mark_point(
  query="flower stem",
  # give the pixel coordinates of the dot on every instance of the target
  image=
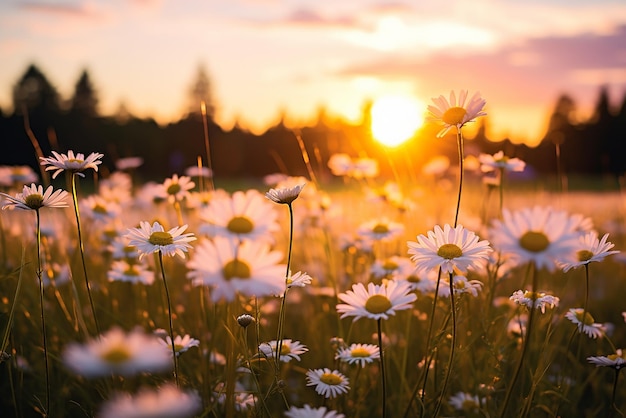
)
(452, 348)
(382, 366)
(82, 253)
(281, 313)
(43, 318)
(169, 317)
(613, 406)
(460, 148)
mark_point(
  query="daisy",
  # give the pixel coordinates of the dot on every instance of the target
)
(245, 320)
(166, 401)
(461, 285)
(456, 114)
(75, 164)
(308, 412)
(327, 383)
(363, 168)
(34, 198)
(181, 344)
(119, 353)
(423, 282)
(360, 354)
(393, 267)
(585, 324)
(289, 350)
(128, 163)
(540, 235)
(120, 249)
(376, 301)
(538, 300)
(195, 171)
(615, 361)
(244, 216)
(16, 175)
(284, 195)
(590, 249)
(122, 271)
(231, 268)
(462, 401)
(499, 161)
(177, 188)
(151, 239)
(381, 229)
(98, 209)
(298, 280)
(448, 248)
(340, 164)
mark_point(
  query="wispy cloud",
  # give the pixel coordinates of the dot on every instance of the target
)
(69, 10)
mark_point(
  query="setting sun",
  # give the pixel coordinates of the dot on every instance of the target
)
(395, 119)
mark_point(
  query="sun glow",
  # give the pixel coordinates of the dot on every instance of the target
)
(395, 119)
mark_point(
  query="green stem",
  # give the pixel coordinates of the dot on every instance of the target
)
(382, 366)
(43, 318)
(7, 332)
(613, 406)
(169, 317)
(461, 175)
(82, 254)
(281, 313)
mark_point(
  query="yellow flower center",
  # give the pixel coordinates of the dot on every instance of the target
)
(380, 229)
(116, 355)
(460, 284)
(34, 201)
(413, 279)
(100, 209)
(377, 304)
(534, 241)
(468, 405)
(449, 251)
(129, 249)
(131, 271)
(360, 352)
(174, 188)
(240, 225)
(614, 357)
(587, 320)
(236, 268)
(390, 265)
(331, 379)
(454, 115)
(285, 349)
(584, 255)
(532, 295)
(161, 238)
(178, 347)
(75, 160)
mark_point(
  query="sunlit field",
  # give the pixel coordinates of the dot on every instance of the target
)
(452, 291)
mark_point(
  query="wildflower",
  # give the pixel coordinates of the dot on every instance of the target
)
(195, 171)
(585, 324)
(231, 268)
(308, 412)
(243, 398)
(151, 239)
(99, 209)
(245, 320)
(461, 285)
(119, 353)
(244, 216)
(34, 198)
(540, 235)
(327, 383)
(14, 175)
(75, 164)
(590, 249)
(448, 248)
(360, 354)
(499, 161)
(181, 344)
(381, 229)
(456, 114)
(177, 188)
(289, 350)
(393, 267)
(166, 401)
(615, 361)
(462, 401)
(340, 164)
(120, 249)
(122, 271)
(436, 166)
(538, 300)
(377, 301)
(128, 163)
(298, 280)
(284, 195)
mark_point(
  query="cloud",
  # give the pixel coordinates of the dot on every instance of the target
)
(74, 10)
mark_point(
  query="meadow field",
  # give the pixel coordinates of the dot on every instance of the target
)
(454, 291)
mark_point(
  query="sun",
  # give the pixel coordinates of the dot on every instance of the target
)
(395, 119)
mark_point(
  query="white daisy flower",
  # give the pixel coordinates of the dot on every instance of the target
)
(340, 164)
(299, 279)
(118, 353)
(360, 354)
(128, 163)
(499, 161)
(307, 412)
(328, 383)
(177, 188)
(590, 249)
(586, 324)
(461, 285)
(451, 113)
(394, 267)
(75, 164)
(17, 175)
(151, 239)
(284, 196)
(615, 361)
(98, 209)
(244, 216)
(123, 271)
(289, 350)
(166, 401)
(538, 300)
(376, 301)
(195, 171)
(34, 198)
(448, 248)
(462, 401)
(181, 344)
(540, 235)
(230, 268)
(381, 229)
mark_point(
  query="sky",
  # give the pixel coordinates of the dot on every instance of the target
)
(268, 58)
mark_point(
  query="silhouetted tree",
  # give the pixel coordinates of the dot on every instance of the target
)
(201, 91)
(84, 101)
(34, 93)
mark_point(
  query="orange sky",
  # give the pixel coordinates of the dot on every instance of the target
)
(269, 56)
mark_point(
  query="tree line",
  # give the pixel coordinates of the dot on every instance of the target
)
(592, 147)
